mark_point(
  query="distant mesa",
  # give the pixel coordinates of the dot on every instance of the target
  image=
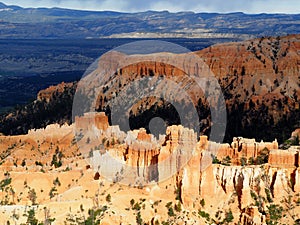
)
(73, 24)
(2, 5)
(5, 7)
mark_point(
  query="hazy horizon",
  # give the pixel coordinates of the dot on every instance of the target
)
(212, 6)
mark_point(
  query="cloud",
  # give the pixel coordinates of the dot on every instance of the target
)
(253, 6)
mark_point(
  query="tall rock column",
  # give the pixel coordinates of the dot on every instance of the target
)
(297, 181)
(141, 156)
(175, 153)
(191, 179)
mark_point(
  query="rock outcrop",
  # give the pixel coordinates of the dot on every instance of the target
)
(252, 216)
(296, 133)
(175, 152)
(52, 92)
(190, 164)
(284, 158)
(86, 122)
(191, 173)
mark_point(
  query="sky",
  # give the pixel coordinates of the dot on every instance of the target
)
(222, 6)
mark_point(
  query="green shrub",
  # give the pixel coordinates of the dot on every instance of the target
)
(108, 198)
(132, 202)
(139, 219)
(56, 182)
(136, 206)
(204, 215)
(243, 161)
(171, 211)
(178, 207)
(274, 213)
(228, 217)
(53, 192)
(215, 160)
(202, 202)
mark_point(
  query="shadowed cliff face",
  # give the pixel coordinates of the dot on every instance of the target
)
(259, 80)
(53, 105)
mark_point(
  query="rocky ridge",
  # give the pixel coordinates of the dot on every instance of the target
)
(214, 179)
(259, 80)
(242, 187)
